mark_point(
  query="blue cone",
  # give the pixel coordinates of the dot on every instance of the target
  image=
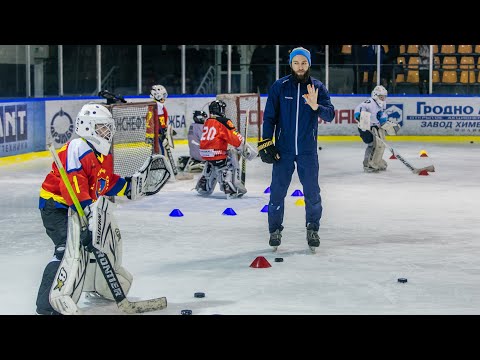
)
(229, 211)
(264, 209)
(267, 190)
(297, 193)
(176, 213)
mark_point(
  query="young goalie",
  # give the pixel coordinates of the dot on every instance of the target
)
(221, 162)
(88, 164)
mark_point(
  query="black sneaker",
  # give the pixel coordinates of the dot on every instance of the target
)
(312, 236)
(275, 238)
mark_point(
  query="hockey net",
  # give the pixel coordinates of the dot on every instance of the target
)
(136, 135)
(237, 106)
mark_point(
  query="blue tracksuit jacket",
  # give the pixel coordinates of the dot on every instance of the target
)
(295, 126)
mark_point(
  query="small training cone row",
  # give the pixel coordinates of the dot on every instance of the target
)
(260, 262)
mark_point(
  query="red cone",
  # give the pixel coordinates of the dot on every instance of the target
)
(393, 157)
(423, 172)
(260, 262)
(424, 155)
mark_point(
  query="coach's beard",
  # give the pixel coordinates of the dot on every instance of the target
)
(301, 78)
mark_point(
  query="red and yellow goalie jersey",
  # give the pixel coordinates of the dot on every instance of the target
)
(218, 133)
(162, 120)
(90, 174)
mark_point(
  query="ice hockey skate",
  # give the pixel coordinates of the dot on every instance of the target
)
(275, 239)
(312, 238)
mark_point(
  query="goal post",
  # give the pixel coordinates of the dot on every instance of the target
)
(136, 135)
(236, 110)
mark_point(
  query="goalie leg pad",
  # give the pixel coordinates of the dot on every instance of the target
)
(207, 182)
(70, 276)
(231, 183)
(96, 285)
(151, 177)
(368, 165)
(106, 238)
(377, 156)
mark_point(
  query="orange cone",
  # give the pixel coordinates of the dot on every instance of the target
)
(260, 262)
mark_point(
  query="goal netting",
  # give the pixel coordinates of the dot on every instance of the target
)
(135, 126)
(237, 106)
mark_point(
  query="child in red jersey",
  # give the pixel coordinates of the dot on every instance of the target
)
(221, 162)
(89, 166)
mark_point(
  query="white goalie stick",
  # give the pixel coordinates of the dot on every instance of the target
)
(129, 307)
(415, 170)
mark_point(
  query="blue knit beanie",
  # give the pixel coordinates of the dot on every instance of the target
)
(300, 51)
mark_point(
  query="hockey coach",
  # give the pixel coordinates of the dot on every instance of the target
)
(294, 104)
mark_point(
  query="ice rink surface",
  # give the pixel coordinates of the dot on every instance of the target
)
(375, 229)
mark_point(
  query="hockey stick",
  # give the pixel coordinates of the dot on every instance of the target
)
(130, 307)
(168, 150)
(415, 170)
(244, 161)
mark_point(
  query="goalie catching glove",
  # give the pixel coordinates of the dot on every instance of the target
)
(150, 178)
(267, 151)
(247, 151)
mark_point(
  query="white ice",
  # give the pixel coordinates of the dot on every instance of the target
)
(375, 229)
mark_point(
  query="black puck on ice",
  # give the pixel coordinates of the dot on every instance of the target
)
(402, 280)
(319, 148)
(471, 142)
(186, 312)
(199, 295)
(278, 259)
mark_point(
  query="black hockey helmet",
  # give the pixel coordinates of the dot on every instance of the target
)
(217, 107)
(199, 116)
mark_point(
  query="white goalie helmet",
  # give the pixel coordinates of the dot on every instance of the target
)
(96, 125)
(379, 94)
(158, 92)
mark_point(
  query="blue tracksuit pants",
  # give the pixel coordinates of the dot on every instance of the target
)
(307, 169)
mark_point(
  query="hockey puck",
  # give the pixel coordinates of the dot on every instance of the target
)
(319, 148)
(186, 312)
(471, 142)
(199, 295)
(402, 280)
(278, 259)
